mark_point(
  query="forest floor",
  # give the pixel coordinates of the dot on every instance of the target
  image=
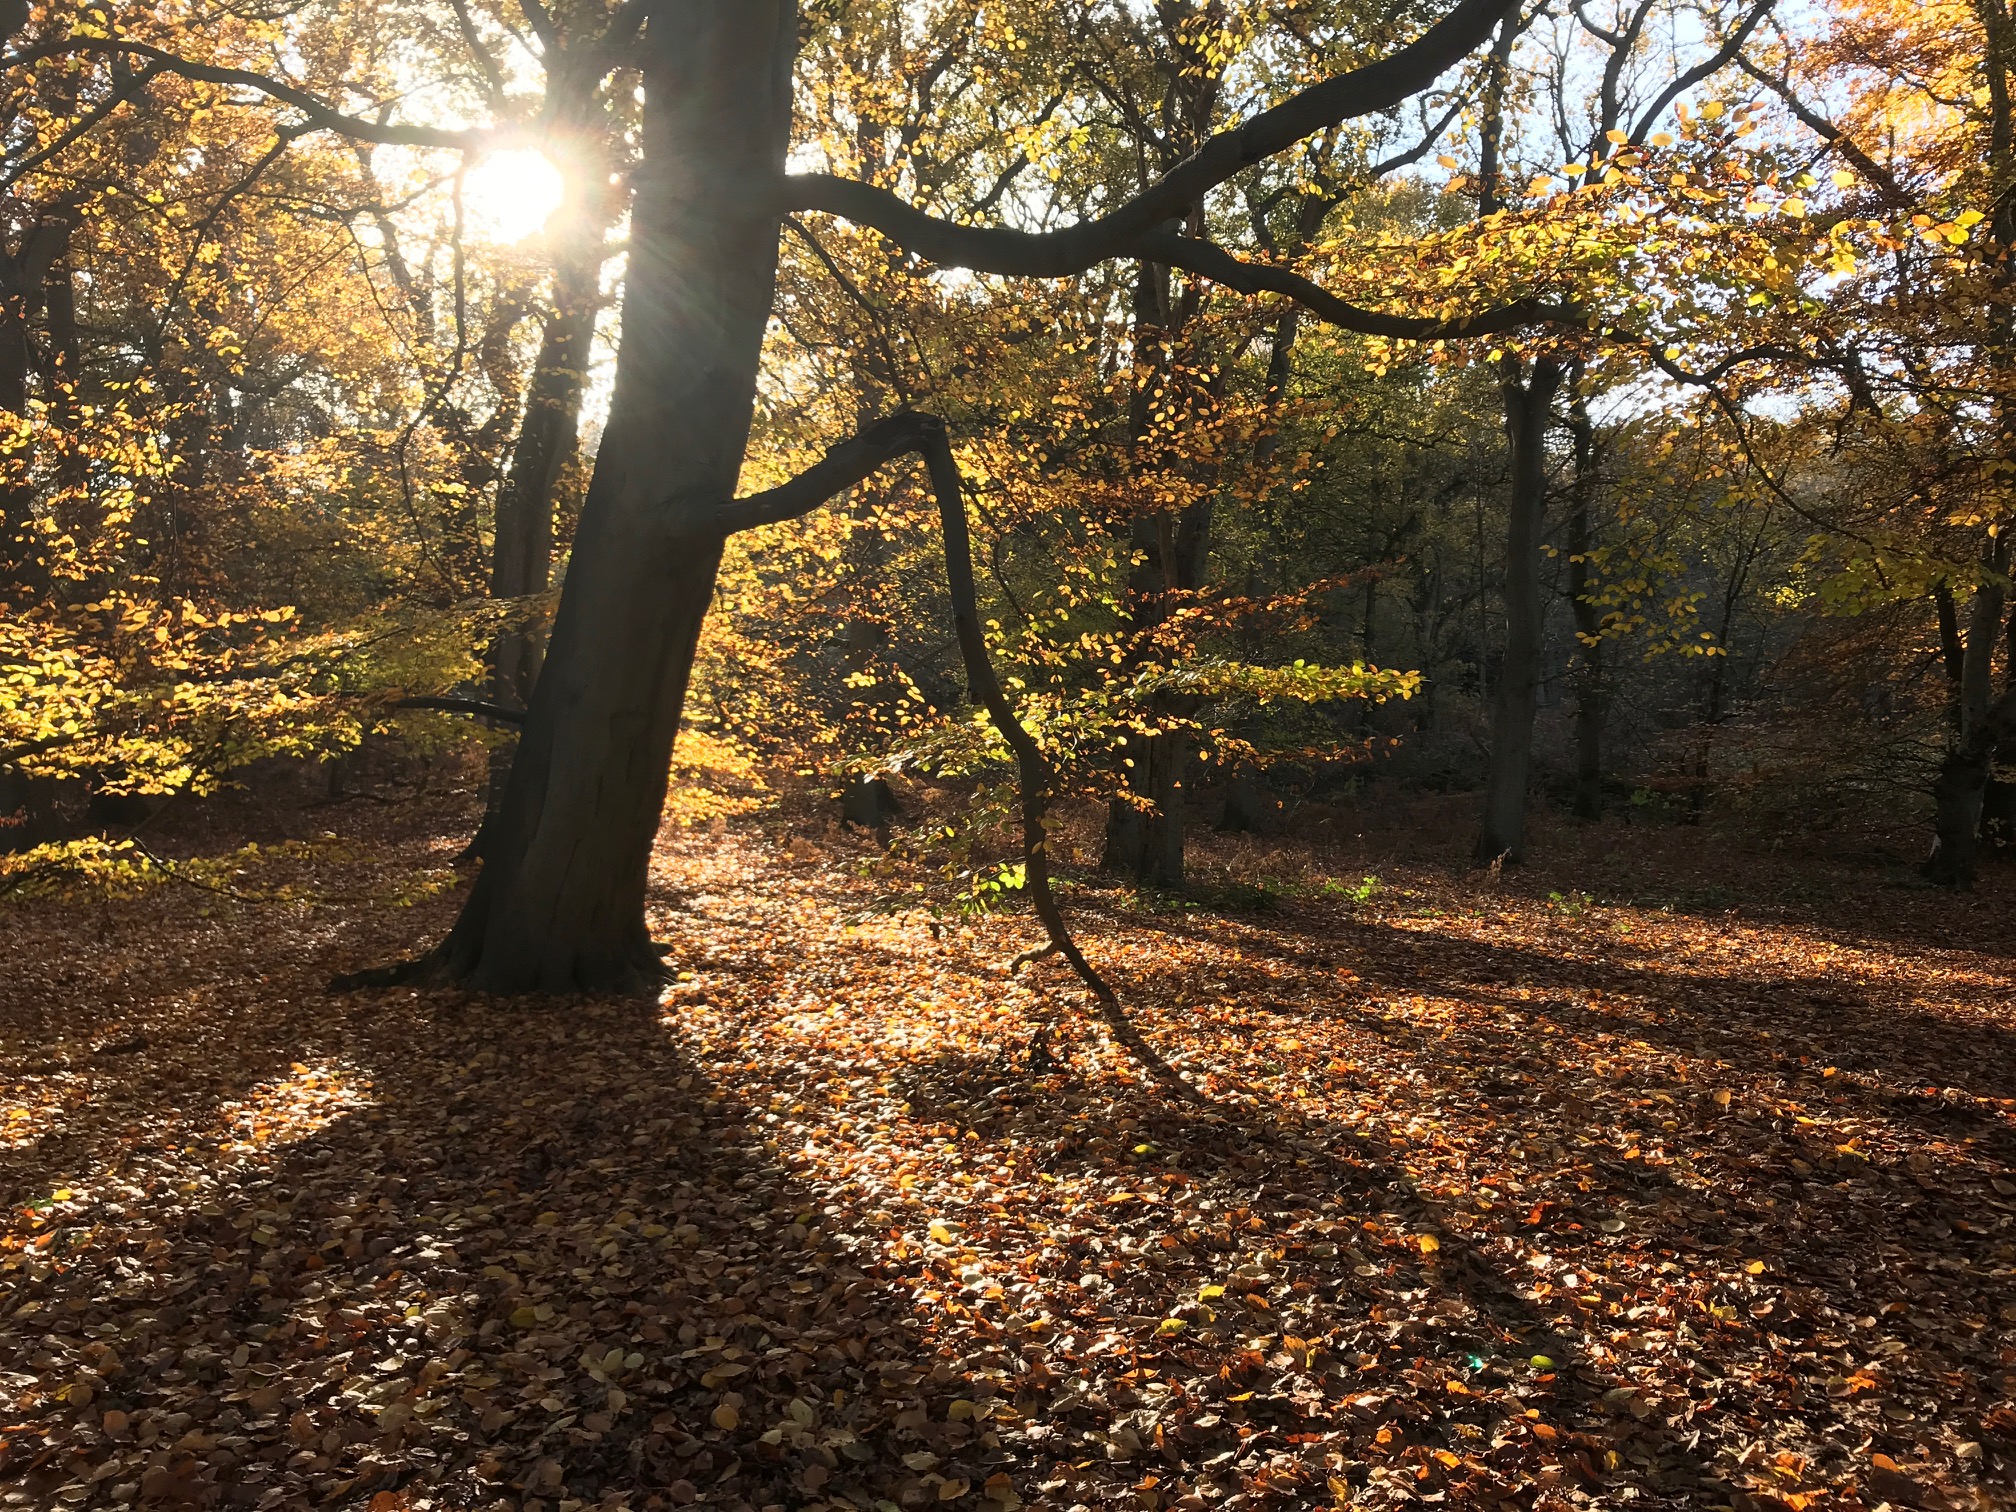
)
(1661, 1173)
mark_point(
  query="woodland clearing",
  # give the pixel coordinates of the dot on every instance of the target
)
(1660, 1173)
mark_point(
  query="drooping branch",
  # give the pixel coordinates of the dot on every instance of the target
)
(849, 463)
(1376, 87)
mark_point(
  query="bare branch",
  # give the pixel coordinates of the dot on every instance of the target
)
(480, 707)
(1714, 63)
(1884, 180)
(320, 116)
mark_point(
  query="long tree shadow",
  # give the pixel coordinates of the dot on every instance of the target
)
(1359, 1322)
(528, 1252)
(1846, 1042)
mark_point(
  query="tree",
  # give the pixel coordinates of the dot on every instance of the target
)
(559, 903)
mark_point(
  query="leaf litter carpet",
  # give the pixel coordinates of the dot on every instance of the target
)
(1504, 1196)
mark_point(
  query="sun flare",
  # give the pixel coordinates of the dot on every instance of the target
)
(509, 195)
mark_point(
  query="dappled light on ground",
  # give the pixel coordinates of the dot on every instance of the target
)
(1508, 1193)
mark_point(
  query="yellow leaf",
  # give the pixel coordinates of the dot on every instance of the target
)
(726, 1416)
(1430, 1244)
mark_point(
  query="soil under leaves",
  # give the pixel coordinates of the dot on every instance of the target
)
(1660, 1173)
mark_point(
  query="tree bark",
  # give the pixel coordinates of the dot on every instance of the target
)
(1144, 830)
(1984, 627)
(1591, 696)
(521, 560)
(1529, 402)
(1960, 791)
(559, 905)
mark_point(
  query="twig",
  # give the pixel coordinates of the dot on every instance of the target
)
(481, 708)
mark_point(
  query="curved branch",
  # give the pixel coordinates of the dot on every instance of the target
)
(320, 116)
(840, 469)
(1713, 64)
(1364, 91)
(847, 464)
(1031, 767)
(1208, 260)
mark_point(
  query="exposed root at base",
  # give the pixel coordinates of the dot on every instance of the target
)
(398, 974)
(641, 973)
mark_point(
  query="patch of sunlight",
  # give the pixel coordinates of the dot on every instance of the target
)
(289, 1108)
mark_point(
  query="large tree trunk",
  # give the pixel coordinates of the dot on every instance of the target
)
(1528, 406)
(559, 905)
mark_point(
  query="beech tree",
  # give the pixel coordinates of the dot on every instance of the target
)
(559, 904)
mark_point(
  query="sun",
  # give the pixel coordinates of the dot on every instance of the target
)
(508, 196)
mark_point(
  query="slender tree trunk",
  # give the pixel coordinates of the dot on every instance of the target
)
(1984, 627)
(559, 905)
(1960, 791)
(1591, 696)
(1144, 832)
(22, 290)
(521, 561)
(1952, 648)
(1528, 405)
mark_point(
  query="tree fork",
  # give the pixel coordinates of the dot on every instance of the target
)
(843, 466)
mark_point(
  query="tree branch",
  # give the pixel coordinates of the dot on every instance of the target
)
(1208, 260)
(1884, 180)
(847, 464)
(998, 249)
(1731, 46)
(130, 89)
(320, 115)
(481, 708)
